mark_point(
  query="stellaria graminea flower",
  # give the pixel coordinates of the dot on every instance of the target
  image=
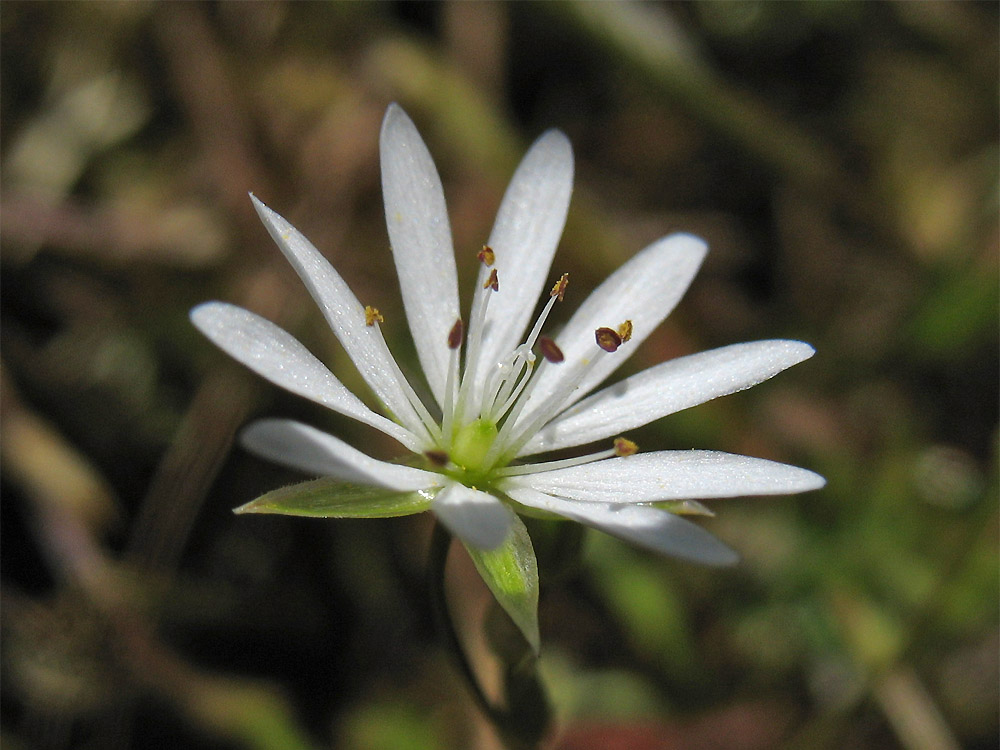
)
(496, 404)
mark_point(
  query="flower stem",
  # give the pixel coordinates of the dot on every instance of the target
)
(438, 557)
(525, 720)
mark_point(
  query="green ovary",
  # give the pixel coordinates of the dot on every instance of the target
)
(472, 443)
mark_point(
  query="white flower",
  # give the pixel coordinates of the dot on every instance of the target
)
(495, 403)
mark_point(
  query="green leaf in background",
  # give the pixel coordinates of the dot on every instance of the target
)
(332, 498)
(511, 573)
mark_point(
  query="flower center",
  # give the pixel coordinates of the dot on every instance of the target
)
(484, 426)
(472, 443)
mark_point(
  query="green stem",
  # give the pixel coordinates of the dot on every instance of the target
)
(523, 723)
(438, 557)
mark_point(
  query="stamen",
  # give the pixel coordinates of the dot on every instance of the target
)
(514, 382)
(625, 331)
(455, 335)
(559, 290)
(625, 447)
(550, 350)
(486, 256)
(515, 386)
(451, 380)
(437, 458)
(433, 428)
(562, 463)
(608, 339)
(475, 345)
(507, 449)
(556, 295)
(493, 282)
(372, 316)
(503, 378)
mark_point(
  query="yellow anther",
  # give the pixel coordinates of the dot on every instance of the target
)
(486, 256)
(625, 330)
(372, 316)
(559, 290)
(625, 447)
(493, 282)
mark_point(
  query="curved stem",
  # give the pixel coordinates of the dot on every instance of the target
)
(437, 558)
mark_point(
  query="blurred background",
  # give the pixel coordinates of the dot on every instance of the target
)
(841, 160)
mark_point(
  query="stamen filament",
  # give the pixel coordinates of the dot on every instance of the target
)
(432, 427)
(564, 463)
(537, 329)
(553, 405)
(475, 342)
(515, 412)
(494, 382)
(513, 376)
(514, 393)
(450, 391)
(520, 370)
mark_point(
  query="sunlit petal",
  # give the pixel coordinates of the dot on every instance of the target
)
(524, 239)
(417, 220)
(668, 388)
(312, 451)
(276, 355)
(475, 517)
(670, 475)
(652, 528)
(346, 316)
(644, 291)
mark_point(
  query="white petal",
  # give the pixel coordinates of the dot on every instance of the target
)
(312, 451)
(527, 230)
(652, 528)
(276, 355)
(475, 517)
(644, 290)
(346, 316)
(668, 388)
(417, 220)
(670, 475)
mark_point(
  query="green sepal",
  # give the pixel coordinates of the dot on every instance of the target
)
(511, 573)
(333, 498)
